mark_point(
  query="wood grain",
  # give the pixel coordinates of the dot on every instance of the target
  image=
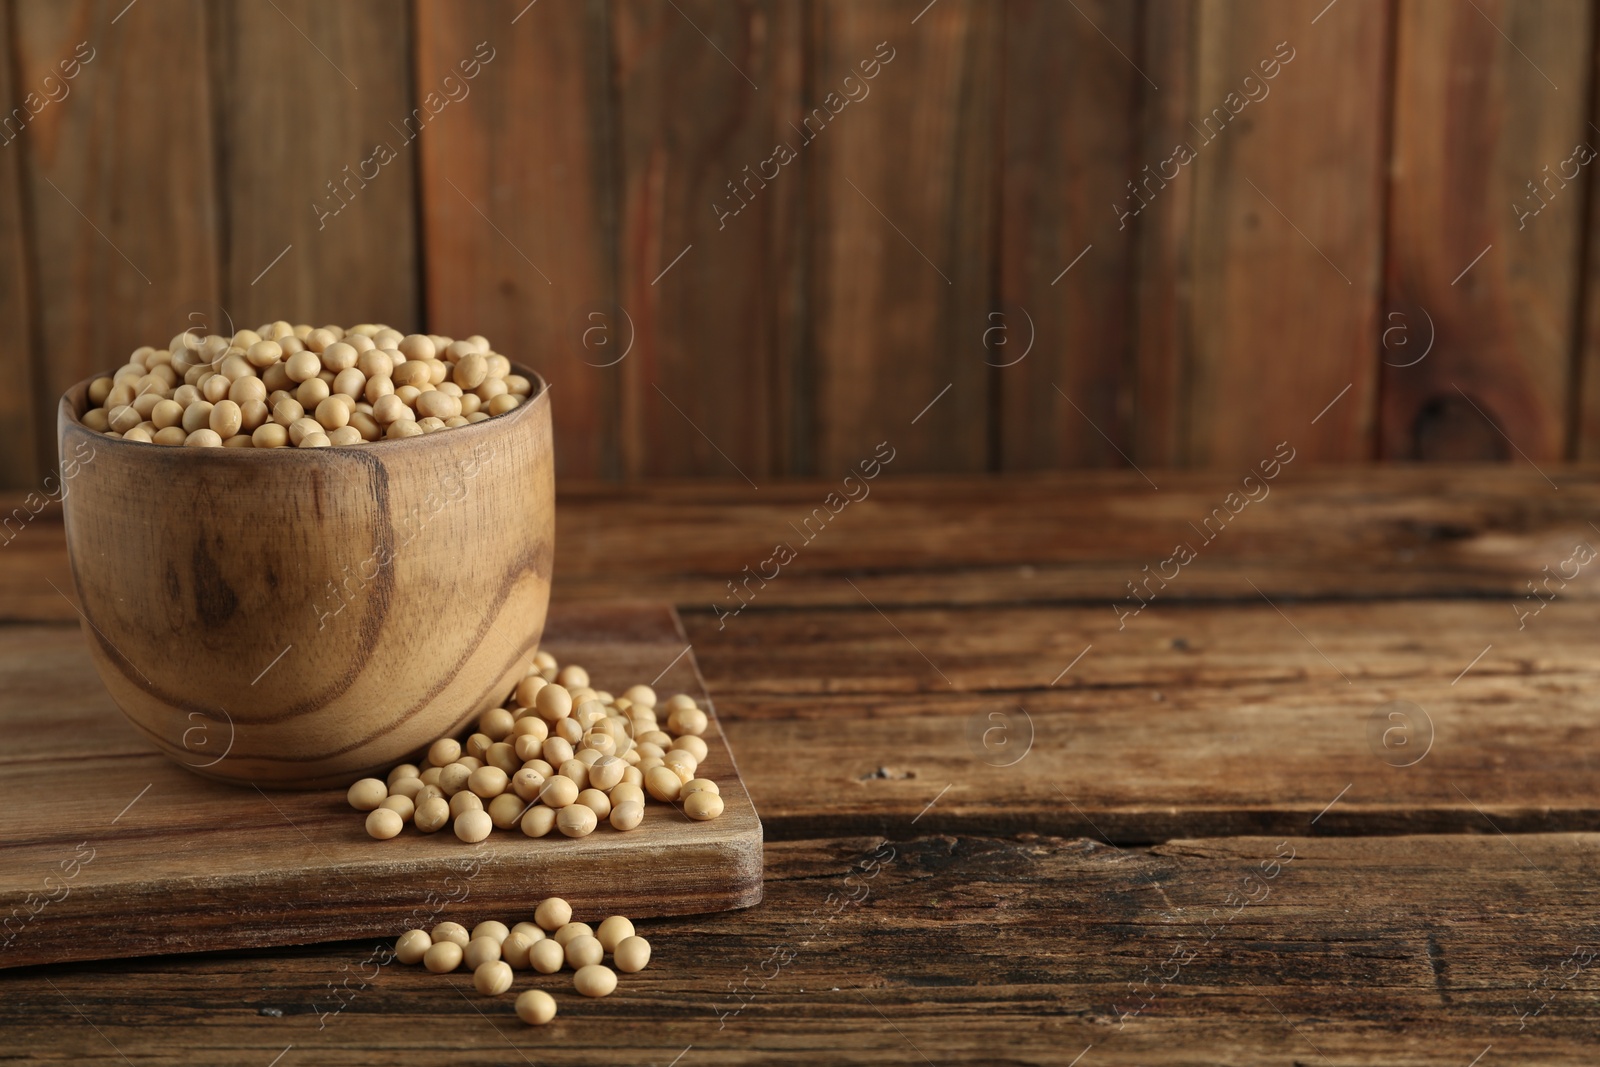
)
(351, 561)
(1270, 206)
(179, 864)
(944, 949)
(1068, 148)
(120, 182)
(1462, 531)
(1303, 251)
(24, 439)
(705, 92)
(1216, 720)
(903, 261)
(318, 168)
(1163, 342)
(1497, 381)
(517, 209)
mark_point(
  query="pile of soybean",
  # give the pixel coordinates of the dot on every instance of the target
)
(558, 755)
(304, 387)
(493, 952)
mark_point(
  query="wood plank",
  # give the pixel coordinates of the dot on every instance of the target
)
(1420, 950)
(1163, 239)
(25, 440)
(1498, 378)
(1020, 651)
(902, 273)
(337, 200)
(1070, 108)
(1586, 361)
(1484, 531)
(1285, 250)
(1194, 720)
(155, 859)
(704, 92)
(516, 191)
(120, 182)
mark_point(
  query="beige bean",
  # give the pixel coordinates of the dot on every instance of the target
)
(166, 413)
(693, 745)
(442, 957)
(627, 815)
(303, 366)
(451, 931)
(488, 782)
(584, 950)
(559, 791)
(623, 792)
(570, 930)
(702, 805)
(595, 980)
(538, 821)
(337, 357)
(480, 950)
(612, 930)
(492, 979)
(312, 392)
(270, 435)
(552, 913)
(496, 723)
(536, 1007)
(431, 814)
(226, 418)
(663, 783)
(412, 945)
(384, 823)
(606, 773)
(547, 956)
(401, 805)
(503, 756)
(527, 782)
(506, 810)
(473, 826)
(514, 950)
(631, 955)
(641, 694)
(577, 820)
(553, 703)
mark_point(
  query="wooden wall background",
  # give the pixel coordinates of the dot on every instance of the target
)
(1368, 200)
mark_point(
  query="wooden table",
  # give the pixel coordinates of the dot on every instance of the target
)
(1006, 825)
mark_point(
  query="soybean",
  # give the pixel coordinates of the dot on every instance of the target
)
(595, 980)
(631, 954)
(552, 914)
(536, 1007)
(412, 946)
(367, 794)
(492, 979)
(613, 930)
(443, 957)
(547, 957)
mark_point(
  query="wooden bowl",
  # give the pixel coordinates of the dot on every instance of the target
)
(298, 617)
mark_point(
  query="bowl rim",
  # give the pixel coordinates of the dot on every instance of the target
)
(67, 418)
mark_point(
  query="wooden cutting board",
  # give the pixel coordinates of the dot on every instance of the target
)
(109, 849)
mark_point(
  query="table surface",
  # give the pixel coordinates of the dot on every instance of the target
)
(1050, 768)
